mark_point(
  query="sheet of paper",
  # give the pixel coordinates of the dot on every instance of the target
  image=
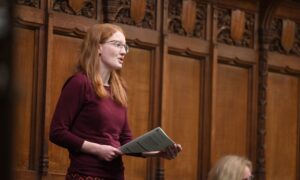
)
(154, 140)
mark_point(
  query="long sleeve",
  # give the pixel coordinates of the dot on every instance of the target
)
(126, 135)
(67, 108)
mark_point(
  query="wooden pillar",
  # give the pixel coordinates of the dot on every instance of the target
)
(266, 13)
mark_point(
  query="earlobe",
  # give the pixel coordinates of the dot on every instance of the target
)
(100, 50)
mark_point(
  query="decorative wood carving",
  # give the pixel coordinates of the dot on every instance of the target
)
(175, 21)
(160, 174)
(76, 4)
(44, 162)
(284, 70)
(188, 17)
(32, 3)
(275, 45)
(137, 10)
(119, 11)
(276, 39)
(86, 8)
(264, 39)
(296, 47)
(237, 24)
(224, 29)
(288, 34)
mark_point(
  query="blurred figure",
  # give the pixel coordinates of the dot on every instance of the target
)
(231, 167)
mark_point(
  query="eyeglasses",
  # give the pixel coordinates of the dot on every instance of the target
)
(249, 178)
(119, 45)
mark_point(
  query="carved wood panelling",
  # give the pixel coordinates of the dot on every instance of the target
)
(224, 29)
(264, 40)
(88, 8)
(276, 32)
(282, 124)
(119, 11)
(32, 3)
(296, 48)
(175, 20)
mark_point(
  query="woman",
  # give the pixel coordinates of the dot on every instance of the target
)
(90, 119)
(231, 167)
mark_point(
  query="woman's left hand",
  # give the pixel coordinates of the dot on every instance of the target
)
(171, 151)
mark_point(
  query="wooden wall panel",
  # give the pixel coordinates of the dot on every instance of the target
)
(281, 126)
(230, 126)
(181, 114)
(24, 63)
(171, 91)
(136, 72)
(60, 67)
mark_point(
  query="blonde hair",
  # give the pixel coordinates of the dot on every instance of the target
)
(89, 62)
(230, 167)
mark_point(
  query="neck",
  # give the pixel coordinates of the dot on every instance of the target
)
(105, 74)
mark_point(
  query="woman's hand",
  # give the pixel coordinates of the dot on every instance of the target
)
(107, 153)
(103, 152)
(170, 152)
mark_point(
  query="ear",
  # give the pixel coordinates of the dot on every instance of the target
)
(100, 49)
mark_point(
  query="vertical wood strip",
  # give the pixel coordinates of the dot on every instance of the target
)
(213, 72)
(159, 174)
(267, 10)
(49, 52)
(298, 133)
(206, 125)
(262, 99)
(40, 128)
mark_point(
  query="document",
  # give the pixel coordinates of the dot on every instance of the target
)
(154, 140)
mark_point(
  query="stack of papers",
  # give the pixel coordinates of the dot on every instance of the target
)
(154, 140)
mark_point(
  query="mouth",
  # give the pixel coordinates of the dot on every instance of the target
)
(121, 60)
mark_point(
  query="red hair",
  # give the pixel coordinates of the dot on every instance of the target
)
(89, 62)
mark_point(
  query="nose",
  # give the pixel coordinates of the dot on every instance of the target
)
(123, 51)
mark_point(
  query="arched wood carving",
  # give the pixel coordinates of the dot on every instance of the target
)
(137, 10)
(175, 23)
(119, 11)
(32, 3)
(188, 15)
(74, 7)
(237, 24)
(290, 37)
(225, 28)
(288, 34)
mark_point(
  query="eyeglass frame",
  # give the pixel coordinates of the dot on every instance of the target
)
(119, 45)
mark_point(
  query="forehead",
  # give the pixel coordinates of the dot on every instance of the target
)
(119, 36)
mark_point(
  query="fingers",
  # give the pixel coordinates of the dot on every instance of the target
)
(114, 153)
(173, 150)
(178, 147)
(109, 153)
(118, 151)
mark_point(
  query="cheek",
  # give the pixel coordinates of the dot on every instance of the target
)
(109, 52)
(108, 55)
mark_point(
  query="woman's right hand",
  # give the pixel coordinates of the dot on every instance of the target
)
(107, 153)
(103, 152)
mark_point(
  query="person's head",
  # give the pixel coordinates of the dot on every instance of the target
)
(231, 167)
(103, 49)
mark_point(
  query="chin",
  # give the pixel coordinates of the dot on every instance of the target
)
(118, 67)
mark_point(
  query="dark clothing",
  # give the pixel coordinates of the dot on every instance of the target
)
(80, 115)
(74, 176)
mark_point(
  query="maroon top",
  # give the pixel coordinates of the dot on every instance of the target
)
(80, 115)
